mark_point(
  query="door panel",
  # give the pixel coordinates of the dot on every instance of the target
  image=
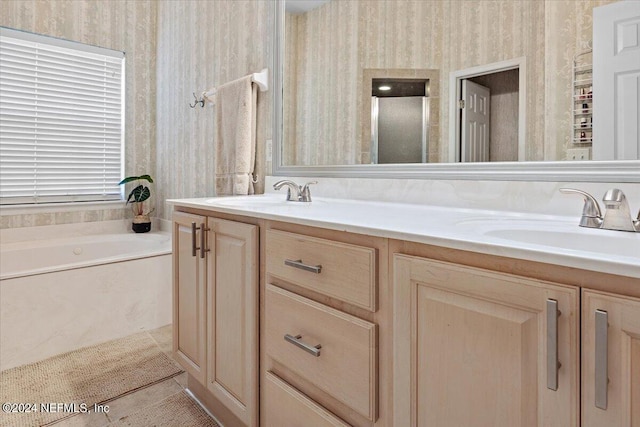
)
(189, 293)
(471, 347)
(232, 319)
(476, 117)
(616, 81)
(615, 401)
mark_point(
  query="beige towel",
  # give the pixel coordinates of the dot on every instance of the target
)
(235, 136)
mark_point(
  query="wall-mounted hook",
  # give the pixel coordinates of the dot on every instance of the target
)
(197, 101)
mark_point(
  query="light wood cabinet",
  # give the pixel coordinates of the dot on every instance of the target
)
(286, 406)
(216, 311)
(189, 297)
(610, 360)
(333, 350)
(475, 347)
(407, 334)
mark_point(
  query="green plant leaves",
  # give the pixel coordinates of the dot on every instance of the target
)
(135, 178)
(139, 194)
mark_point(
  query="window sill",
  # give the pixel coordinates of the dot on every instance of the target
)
(27, 209)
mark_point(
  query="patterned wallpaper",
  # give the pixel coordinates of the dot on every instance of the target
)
(336, 41)
(129, 26)
(173, 48)
(203, 44)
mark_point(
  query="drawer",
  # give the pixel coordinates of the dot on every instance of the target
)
(344, 365)
(286, 406)
(346, 272)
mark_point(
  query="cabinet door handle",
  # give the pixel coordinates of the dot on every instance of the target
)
(306, 267)
(194, 248)
(601, 359)
(203, 246)
(297, 341)
(553, 364)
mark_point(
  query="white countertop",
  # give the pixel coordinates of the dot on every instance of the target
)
(536, 237)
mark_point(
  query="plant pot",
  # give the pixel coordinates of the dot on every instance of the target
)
(141, 224)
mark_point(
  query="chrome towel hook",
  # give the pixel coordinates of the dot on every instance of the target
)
(197, 101)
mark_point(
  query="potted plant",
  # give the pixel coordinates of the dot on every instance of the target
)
(140, 193)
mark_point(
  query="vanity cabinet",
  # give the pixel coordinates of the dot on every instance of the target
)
(610, 360)
(322, 328)
(476, 347)
(215, 313)
(360, 330)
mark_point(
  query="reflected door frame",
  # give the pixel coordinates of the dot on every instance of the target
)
(455, 79)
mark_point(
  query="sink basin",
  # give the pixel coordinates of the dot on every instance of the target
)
(617, 243)
(560, 234)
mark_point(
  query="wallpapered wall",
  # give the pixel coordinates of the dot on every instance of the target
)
(336, 41)
(173, 48)
(129, 26)
(203, 44)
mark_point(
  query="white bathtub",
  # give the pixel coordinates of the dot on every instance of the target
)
(63, 289)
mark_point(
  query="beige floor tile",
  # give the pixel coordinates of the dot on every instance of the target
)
(142, 398)
(163, 337)
(181, 379)
(93, 419)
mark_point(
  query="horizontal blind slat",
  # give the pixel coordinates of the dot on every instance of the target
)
(60, 121)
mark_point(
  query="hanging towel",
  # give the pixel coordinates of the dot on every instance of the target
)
(235, 136)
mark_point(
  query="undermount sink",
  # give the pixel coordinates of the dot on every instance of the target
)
(557, 234)
(618, 243)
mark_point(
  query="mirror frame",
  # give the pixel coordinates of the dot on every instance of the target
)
(563, 171)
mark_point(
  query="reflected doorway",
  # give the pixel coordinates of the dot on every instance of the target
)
(488, 112)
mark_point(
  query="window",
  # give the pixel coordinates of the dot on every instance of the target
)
(61, 120)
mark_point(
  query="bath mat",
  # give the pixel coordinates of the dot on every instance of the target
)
(175, 411)
(86, 376)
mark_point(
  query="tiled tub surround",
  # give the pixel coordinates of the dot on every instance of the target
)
(473, 216)
(70, 286)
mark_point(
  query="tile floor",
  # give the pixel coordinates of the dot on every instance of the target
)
(137, 400)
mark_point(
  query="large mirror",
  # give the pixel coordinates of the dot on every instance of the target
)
(378, 88)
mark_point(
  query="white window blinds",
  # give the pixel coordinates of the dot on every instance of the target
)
(61, 120)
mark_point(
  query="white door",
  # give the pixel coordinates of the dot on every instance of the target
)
(616, 81)
(476, 112)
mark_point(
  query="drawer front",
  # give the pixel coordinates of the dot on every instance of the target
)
(342, 271)
(333, 350)
(286, 406)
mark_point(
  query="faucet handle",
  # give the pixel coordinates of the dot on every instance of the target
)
(591, 213)
(305, 194)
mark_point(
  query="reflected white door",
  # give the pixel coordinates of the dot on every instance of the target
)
(476, 113)
(616, 81)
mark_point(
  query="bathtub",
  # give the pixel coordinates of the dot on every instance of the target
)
(70, 286)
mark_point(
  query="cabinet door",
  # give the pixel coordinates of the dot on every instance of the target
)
(232, 320)
(189, 296)
(477, 348)
(610, 360)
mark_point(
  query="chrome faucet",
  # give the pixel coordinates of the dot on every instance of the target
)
(295, 192)
(617, 215)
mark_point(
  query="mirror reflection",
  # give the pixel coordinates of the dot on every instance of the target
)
(497, 81)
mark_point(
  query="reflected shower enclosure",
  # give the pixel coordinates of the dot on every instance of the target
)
(399, 121)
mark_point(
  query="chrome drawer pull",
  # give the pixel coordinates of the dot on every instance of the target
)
(601, 368)
(306, 347)
(194, 248)
(203, 234)
(299, 264)
(552, 344)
